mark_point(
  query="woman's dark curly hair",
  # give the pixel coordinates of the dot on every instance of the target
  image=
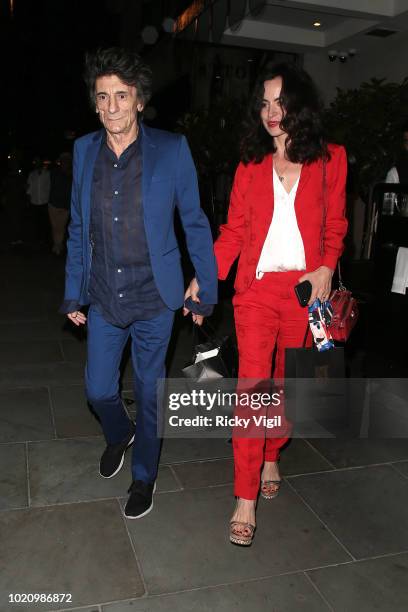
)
(302, 118)
(127, 65)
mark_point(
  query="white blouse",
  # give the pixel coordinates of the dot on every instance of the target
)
(283, 248)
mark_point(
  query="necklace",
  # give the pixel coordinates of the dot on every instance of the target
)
(281, 174)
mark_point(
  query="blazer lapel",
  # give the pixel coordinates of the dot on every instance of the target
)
(304, 179)
(266, 210)
(305, 174)
(149, 149)
(89, 164)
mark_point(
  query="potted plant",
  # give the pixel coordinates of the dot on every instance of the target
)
(367, 121)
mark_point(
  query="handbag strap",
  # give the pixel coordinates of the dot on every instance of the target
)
(341, 286)
(205, 329)
(306, 334)
(208, 333)
(323, 231)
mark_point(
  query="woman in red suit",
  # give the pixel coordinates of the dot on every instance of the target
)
(274, 226)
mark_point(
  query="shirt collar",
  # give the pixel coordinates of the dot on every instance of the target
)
(135, 146)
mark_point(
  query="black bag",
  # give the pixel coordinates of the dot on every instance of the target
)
(222, 365)
(316, 395)
(311, 363)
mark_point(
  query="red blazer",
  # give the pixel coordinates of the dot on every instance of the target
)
(251, 209)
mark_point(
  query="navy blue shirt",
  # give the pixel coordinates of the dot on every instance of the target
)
(121, 283)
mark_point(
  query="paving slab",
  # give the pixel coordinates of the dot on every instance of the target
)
(298, 457)
(15, 309)
(25, 414)
(82, 549)
(360, 507)
(39, 375)
(401, 467)
(17, 353)
(365, 586)
(86, 609)
(74, 350)
(13, 476)
(183, 543)
(282, 593)
(72, 414)
(197, 474)
(31, 331)
(65, 471)
(176, 450)
(351, 453)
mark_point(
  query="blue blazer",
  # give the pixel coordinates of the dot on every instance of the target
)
(169, 180)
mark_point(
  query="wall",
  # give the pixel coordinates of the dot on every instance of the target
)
(324, 73)
(381, 58)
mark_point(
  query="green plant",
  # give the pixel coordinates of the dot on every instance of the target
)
(367, 121)
(213, 135)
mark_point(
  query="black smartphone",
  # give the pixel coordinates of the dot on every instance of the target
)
(303, 292)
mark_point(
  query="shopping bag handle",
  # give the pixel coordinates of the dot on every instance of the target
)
(306, 334)
(207, 330)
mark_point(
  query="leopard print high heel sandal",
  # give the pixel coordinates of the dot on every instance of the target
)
(238, 535)
(270, 488)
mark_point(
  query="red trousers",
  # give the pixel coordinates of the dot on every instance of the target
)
(267, 316)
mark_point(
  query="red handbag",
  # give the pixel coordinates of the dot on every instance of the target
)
(345, 312)
(345, 308)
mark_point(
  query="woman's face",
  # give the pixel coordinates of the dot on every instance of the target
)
(272, 112)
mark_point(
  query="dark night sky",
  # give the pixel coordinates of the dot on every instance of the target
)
(42, 54)
(42, 57)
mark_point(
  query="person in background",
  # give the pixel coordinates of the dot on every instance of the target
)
(60, 199)
(13, 203)
(38, 191)
(399, 172)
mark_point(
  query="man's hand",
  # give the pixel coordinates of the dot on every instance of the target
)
(192, 291)
(321, 283)
(77, 317)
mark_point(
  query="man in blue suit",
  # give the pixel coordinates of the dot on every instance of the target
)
(124, 261)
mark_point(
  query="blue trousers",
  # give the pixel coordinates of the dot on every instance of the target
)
(106, 343)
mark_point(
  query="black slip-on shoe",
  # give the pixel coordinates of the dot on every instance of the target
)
(114, 455)
(140, 501)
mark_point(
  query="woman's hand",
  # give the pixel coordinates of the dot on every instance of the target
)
(192, 291)
(321, 283)
(77, 317)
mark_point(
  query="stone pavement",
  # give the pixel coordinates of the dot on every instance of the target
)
(336, 538)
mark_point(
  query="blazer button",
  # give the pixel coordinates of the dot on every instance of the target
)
(253, 261)
(252, 237)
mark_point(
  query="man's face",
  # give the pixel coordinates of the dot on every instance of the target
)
(117, 104)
